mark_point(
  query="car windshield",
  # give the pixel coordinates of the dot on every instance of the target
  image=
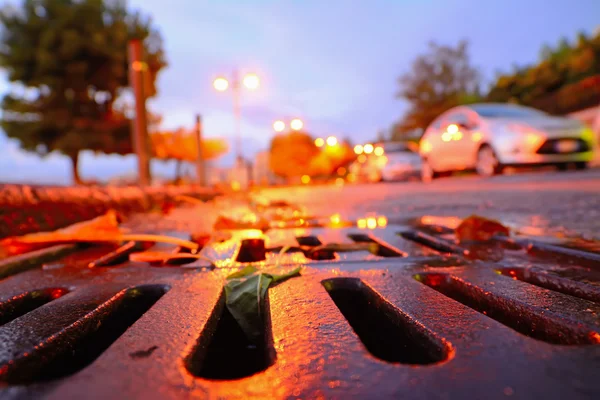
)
(506, 111)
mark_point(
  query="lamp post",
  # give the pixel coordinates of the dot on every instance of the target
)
(250, 82)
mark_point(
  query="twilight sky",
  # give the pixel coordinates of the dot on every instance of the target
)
(332, 63)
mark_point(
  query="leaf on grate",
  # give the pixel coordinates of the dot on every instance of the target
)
(159, 257)
(476, 228)
(348, 247)
(223, 222)
(245, 292)
(104, 228)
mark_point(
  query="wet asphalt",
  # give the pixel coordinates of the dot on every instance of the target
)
(547, 203)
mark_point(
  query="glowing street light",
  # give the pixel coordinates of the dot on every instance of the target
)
(251, 81)
(331, 141)
(358, 149)
(319, 142)
(221, 84)
(296, 124)
(278, 126)
(378, 151)
(368, 148)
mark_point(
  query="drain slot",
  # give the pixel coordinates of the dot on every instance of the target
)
(385, 331)
(79, 344)
(320, 254)
(252, 250)
(383, 249)
(22, 304)
(515, 315)
(34, 259)
(117, 256)
(550, 251)
(223, 352)
(309, 241)
(433, 242)
(558, 284)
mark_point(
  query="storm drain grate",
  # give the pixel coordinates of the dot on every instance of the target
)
(414, 316)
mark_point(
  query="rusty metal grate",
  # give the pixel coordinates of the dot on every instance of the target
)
(421, 317)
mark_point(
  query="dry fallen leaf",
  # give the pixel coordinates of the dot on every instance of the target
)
(104, 228)
(159, 257)
(476, 228)
(223, 222)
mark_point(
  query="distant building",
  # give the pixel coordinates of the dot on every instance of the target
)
(262, 172)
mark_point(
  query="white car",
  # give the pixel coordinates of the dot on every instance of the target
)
(388, 162)
(487, 137)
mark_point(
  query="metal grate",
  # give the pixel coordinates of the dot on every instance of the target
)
(420, 317)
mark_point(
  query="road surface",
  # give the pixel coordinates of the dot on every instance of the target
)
(553, 203)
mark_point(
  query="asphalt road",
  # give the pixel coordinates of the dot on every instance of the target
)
(541, 203)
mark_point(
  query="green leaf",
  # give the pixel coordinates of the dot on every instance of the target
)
(283, 276)
(249, 270)
(244, 297)
(348, 247)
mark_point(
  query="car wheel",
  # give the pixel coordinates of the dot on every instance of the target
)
(427, 172)
(487, 162)
(562, 167)
(582, 165)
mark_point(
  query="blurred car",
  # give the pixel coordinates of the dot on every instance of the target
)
(388, 162)
(487, 137)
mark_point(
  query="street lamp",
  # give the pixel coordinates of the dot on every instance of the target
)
(278, 126)
(296, 124)
(319, 142)
(250, 82)
(221, 84)
(331, 141)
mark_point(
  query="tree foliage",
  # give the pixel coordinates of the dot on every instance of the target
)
(67, 60)
(291, 154)
(566, 79)
(181, 145)
(330, 158)
(439, 79)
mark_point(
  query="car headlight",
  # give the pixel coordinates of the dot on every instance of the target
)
(425, 146)
(529, 137)
(587, 134)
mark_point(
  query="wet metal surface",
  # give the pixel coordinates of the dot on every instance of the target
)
(421, 318)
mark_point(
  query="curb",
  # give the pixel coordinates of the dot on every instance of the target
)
(25, 209)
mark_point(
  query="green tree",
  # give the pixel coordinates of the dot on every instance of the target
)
(439, 79)
(565, 79)
(67, 60)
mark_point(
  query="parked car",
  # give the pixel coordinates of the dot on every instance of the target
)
(487, 137)
(388, 162)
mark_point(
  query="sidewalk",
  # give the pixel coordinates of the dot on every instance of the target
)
(25, 209)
